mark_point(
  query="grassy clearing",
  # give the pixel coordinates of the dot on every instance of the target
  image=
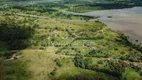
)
(40, 63)
(43, 63)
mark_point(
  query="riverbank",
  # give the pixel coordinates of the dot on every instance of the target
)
(127, 21)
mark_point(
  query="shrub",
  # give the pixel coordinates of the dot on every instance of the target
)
(58, 62)
(130, 74)
(53, 73)
(82, 62)
(79, 61)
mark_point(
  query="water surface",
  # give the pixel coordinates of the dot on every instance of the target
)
(128, 21)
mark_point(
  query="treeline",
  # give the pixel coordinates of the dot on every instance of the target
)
(15, 33)
(133, 54)
(112, 5)
(84, 2)
(111, 67)
(101, 6)
(86, 6)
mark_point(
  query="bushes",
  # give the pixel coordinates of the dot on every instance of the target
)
(125, 40)
(102, 53)
(116, 68)
(53, 73)
(16, 70)
(8, 53)
(44, 10)
(130, 74)
(112, 67)
(58, 62)
(2, 69)
(81, 62)
(134, 56)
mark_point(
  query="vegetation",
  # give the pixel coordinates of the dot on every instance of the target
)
(15, 33)
(41, 41)
(81, 6)
(130, 74)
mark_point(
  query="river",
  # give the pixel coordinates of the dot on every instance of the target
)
(127, 21)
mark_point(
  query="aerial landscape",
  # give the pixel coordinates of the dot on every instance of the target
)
(70, 39)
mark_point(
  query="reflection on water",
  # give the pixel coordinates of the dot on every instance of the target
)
(128, 21)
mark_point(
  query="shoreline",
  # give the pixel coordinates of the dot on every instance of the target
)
(127, 21)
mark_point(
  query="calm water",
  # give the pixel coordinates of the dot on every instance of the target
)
(128, 21)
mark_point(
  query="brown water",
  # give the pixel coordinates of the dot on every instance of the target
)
(128, 21)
